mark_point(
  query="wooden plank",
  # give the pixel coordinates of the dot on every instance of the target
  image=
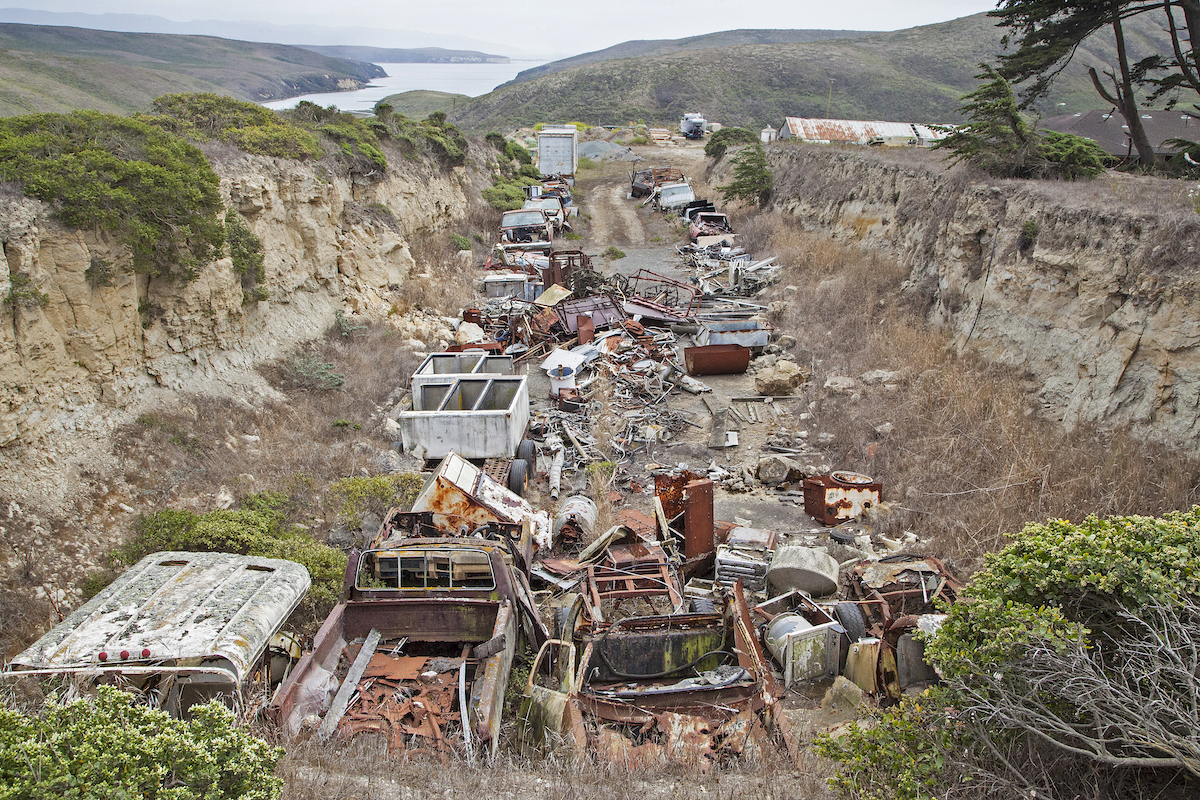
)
(716, 440)
(342, 700)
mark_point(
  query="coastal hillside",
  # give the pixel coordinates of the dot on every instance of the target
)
(54, 69)
(411, 55)
(640, 48)
(918, 74)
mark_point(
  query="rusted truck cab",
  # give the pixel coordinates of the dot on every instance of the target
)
(424, 637)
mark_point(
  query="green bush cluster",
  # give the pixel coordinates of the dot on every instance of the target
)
(112, 747)
(147, 186)
(1060, 587)
(22, 292)
(725, 138)
(355, 497)
(247, 125)
(306, 371)
(507, 194)
(357, 141)
(433, 136)
(246, 253)
(460, 242)
(258, 528)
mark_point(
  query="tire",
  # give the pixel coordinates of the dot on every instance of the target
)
(518, 476)
(527, 451)
(850, 617)
(703, 605)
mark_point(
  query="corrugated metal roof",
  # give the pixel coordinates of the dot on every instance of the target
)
(855, 131)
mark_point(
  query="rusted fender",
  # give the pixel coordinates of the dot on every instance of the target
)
(487, 693)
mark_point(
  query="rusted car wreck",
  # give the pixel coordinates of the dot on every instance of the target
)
(420, 648)
(637, 678)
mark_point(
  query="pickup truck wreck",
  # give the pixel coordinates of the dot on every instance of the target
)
(178, 629)
(420, 649)
(526, 229)
(643, 688)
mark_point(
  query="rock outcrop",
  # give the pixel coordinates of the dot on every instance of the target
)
(328, 247)
(1090, 286)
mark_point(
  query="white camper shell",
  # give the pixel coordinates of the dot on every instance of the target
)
(180, 628)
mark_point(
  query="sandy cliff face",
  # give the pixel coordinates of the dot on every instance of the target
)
(327, 248)
(1090, 287)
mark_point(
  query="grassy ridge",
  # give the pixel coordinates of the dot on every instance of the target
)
(917, 74)
(420, 103)
(639, 48)
(44, 68)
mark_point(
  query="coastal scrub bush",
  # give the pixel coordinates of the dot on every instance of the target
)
(112, 747)
(722, 140)
(258, 528)
(1068, 654)
(355, 497)
(434, 136)
(306, 371)
(249, 126)
(246, 253)
(22, 292)
(356, 141)
(148, 187)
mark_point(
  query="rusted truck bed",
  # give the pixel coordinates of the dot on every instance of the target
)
(433, 645)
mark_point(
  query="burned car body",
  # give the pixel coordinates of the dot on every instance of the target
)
(527, 228)
(179, 628)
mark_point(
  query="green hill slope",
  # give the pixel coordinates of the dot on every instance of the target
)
(656, 47)
(917, 74)
(44, 68)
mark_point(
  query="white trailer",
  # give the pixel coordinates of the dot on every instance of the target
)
(558, 150)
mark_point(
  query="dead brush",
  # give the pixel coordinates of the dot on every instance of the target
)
(961, 446)
(441, 281)
(294, 446)
(363, 770)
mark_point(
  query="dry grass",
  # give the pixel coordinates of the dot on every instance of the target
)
(362, 770)
(298, 450)
(969, 457)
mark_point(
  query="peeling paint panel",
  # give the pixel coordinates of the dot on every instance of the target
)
(176, 607)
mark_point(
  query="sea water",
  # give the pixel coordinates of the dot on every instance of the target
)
(472, 80)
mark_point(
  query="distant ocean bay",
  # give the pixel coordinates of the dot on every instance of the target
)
(472, 80)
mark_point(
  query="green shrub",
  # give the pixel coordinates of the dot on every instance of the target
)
(148, 187)
(21, 292)
(460, 242)
(507, 195)
(722, 140)
(258, 528)
(496, 140)
(613, 252)
(586, 164)
(347, 327)
(111, 747)
(354, 497)
(1072, 156)
(247, 125)
(245, 250)
(516, 152)
(306, 371)
(1061, 626)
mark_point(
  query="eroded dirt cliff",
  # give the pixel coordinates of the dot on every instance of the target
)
(1090, 287)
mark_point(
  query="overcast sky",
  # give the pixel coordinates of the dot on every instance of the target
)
(572, 26)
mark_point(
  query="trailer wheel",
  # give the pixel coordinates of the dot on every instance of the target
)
(518, 476)
(851, 618)
(527, 452)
